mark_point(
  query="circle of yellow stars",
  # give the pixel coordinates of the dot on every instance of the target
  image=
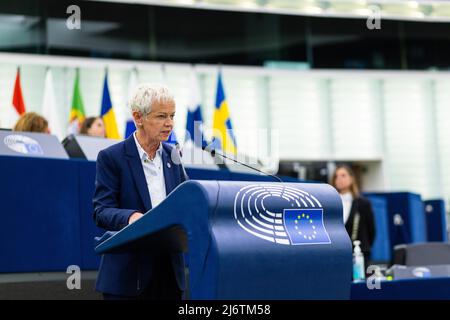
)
(307, 219)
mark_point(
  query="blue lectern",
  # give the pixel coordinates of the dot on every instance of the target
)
(406, 216)
(436, 220)
(381, 248)
(250, 240)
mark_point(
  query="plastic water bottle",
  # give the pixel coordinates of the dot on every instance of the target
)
(358, 262)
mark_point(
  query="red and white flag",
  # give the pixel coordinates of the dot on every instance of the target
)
(18, 102)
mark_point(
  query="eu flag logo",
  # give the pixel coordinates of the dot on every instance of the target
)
(305, 226)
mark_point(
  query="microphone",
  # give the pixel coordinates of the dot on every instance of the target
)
(213, 152)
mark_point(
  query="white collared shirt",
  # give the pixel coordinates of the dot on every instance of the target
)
(347, 201)
(154, 173)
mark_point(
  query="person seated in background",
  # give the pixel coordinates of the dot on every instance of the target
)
(32, 122)
(93, 126)
(358, 213)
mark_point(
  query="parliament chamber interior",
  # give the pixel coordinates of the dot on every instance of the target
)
(307, 156)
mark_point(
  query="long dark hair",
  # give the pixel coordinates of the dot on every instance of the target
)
(354, 186)
(87, 124)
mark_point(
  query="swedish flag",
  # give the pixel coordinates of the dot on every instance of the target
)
(107, 113)
(224, 138)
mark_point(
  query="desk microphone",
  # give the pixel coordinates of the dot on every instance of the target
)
(213, 152)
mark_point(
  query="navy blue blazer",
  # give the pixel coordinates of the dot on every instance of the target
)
(120, 190)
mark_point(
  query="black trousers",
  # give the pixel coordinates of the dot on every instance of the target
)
(163, 285)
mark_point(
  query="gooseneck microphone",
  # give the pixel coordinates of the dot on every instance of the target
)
(213, 152)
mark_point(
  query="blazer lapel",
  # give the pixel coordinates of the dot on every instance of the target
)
(349, 223)
(168, 167)
(137, 172)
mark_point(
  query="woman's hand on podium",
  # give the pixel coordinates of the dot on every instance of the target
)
(134, 216)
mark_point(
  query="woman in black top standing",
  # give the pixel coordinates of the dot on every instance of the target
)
(358, 213)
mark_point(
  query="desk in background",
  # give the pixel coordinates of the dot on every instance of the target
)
(405, 289)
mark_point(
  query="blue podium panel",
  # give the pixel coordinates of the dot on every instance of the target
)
(418, 224)
(381, 248)
(436, 220)
(303, 252)
(208, 174)
(39, 213)
(408, 289)
(235, 176)
(224, 174)
(88, 230)
(251, 240)
(406, 217)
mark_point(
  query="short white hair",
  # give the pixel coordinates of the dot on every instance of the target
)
(147, 95)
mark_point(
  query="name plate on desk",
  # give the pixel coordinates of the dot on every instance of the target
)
(426, 271)
(31, 144)
(86, 147)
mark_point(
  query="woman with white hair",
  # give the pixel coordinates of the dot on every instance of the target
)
(133, 177)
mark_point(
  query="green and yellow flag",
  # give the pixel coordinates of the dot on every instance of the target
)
(77, 114)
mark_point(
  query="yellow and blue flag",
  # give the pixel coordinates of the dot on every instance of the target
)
(107, 113)
(224, 138)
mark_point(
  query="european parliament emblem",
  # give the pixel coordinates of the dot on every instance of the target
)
(23, 144)
(305, 226)
(299, 222)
